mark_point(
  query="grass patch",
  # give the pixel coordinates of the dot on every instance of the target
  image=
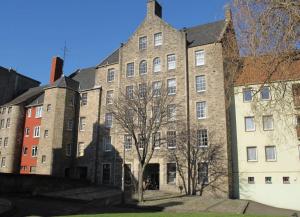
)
(166, 214)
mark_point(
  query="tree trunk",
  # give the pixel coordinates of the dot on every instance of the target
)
(140, 183)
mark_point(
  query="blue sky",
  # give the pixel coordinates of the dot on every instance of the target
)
(33, 31)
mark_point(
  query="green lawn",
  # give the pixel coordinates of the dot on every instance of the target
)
(166, 214)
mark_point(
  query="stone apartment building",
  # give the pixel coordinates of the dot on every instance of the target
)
(74, 135)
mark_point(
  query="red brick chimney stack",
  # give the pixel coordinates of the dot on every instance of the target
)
(56, 69)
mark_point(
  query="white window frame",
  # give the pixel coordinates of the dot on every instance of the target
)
(143, 67)
(171, 61)
(80, 149)
(110, 75)
(173, 139)
(84, 99)
(143, 43)
(108, 121)
(158, 39)
(199, 58)
(156, 65)
(171, 112)
(107, 144)
(202, 110)
(129, 92)
(37, 132)
(127, 142)
(252, 129)
(156, 88)
(82, 124)
(244, 92)
(34, 151)
(38, 112)
(200, 84)
(202, 138)
(275, 153)
(172, 86)
(27, 132)
(264, 117)
(261, 93)
(109, 97)
(256, 154)
(130, 70)
(29, 111)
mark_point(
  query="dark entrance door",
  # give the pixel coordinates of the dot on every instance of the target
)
(151, 177)
(82, 171)
(106, 174)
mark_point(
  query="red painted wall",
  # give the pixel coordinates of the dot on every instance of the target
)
(29, 141)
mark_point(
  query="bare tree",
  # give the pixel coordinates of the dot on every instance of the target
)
(141, 111)
(207, 162)
(268, 37)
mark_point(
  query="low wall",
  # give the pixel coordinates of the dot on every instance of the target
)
(17, 183)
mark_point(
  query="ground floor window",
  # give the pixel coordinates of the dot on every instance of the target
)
(32, 169)
(171, 173)
(106, 174)
(286, 180)
(202, 173)
(251, 180)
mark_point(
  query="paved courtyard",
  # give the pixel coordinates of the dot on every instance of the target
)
(27, 205)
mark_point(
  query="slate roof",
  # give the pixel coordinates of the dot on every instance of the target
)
(66, 82)
(37, 101)
(205, 34)
(86, 78)
(28, 95)
(111, 59)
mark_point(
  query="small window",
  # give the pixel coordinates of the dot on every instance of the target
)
(128, 142)
(37, 131)
(265, 93)
(32, 169)
(9, 110)
(49, 107)
(43, 158)
(171, 61)
(171, 112)
(142, 90)
(270, 153)
(29, 113)
(109, 97)
(156, 114)
(46, 133)
(25, 150)
(71, 100)
(171, 86)
(82, 123)
(158, 39)
(247, 94)
(199, 55)
(268, 180)
(202, 138)
(156, 88)
(34, 151)
(268, 122)
(84, 99)
(1, 142)
(202, 173)
(201, 110)
(68, 150)
(251, 180)
(70, 125)
(156, 65)
(80, 149)
(286, 180)
(8, 123)
(38, 112)
(249, 124)
(5, 144)
(107, 143)
(200, 83)
(143, 67)
(110, 75)
(141, 141)
(129, 92)
(171, 173)
(27, 132)
(3, 110)
(3, 161)
(171, 139)
(251, 154)
(130, 70)
(143, 43)
(156, 140)
(108, 120)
